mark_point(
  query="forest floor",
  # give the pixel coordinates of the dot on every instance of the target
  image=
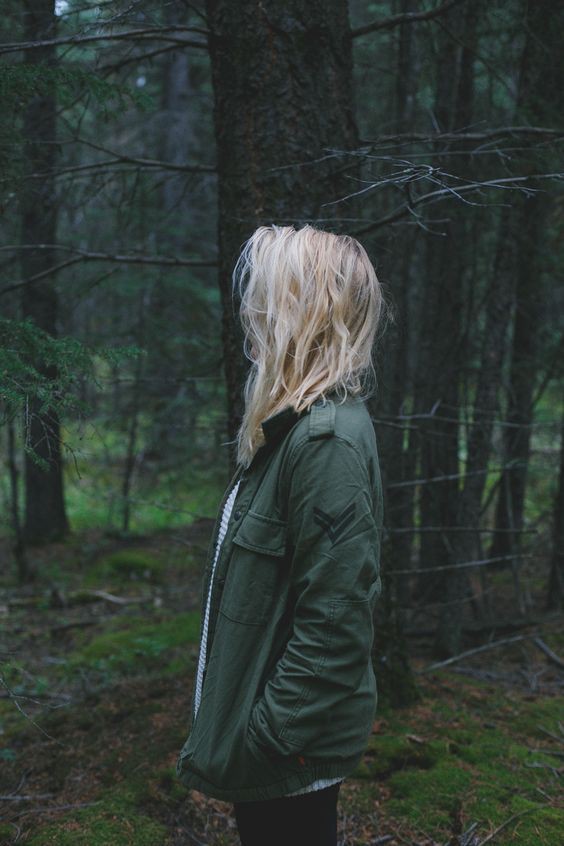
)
(97, 660)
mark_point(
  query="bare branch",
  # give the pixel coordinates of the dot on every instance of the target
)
(464, 565)
(37, 277)
(407, 208)
(479, 529)
(113, 67)
(84, 255)
(485, 648)
(552, 656)
(432, 138)
(507, 822)
(145, 164)
(158, 32)
(535, 424)
(407, 17)
(449, 477)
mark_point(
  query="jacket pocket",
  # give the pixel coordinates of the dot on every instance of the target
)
(255, 570)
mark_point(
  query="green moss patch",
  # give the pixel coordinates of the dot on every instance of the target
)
(138, 645)
(124, 566)
(475, 756)
(111, 821)
(387, 754)
(428, 798)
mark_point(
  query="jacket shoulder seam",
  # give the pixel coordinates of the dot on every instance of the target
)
(338, 437)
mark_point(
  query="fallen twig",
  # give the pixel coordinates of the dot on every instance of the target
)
(484, 648)
(538, 765)
(500, 828)
(550, 734)
(552, 656)
(78, 597)
(14, 698)
(53, 808)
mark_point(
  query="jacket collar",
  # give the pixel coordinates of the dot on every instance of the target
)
(275, 426)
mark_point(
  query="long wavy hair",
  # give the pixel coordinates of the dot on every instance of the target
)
(310, 307)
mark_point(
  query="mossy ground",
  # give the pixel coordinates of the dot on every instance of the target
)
(472, 755)
(108, 687)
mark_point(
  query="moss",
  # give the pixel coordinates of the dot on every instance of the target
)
(475, 764)
(362, 800)
(141, 645)
(112, 820)
(171, 786)
(388, 753)
(536, 717)
(126, 565)
(428, 798)
(534, 824)
(7, 833)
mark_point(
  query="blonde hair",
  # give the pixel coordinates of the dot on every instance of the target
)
(309, 309)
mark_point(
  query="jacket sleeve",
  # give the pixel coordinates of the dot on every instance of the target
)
(334, 537)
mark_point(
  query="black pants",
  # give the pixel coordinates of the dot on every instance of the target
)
(309, 819)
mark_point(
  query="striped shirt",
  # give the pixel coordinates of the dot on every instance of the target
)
(225, 516)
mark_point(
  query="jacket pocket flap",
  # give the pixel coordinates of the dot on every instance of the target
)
(261, 534)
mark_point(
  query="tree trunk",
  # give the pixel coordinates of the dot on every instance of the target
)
(539, 103)
(436, 393)
(528, 214)
(45, 517)
(395, 377)
(521, 225)
(396, 683)
(25, 574)
(272, 66)
(555, 596)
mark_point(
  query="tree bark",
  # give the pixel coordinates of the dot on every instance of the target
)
(436, 392)
(555, 595)
(282, 79)
(45, 516)
(25, 574)
(539, 100)
(396, 683)
(527, 233)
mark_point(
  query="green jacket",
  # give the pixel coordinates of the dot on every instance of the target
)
(289, 693)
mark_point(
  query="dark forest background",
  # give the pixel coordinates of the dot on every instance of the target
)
(141, 143)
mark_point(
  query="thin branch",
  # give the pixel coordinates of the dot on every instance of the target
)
(152, 32)
(503, 825)
(367, 146)
(462, 566)
(50, 809)
(113, 67)
(84, 255)
(14, 697)
(407, 17)
(481, 530)
(552, 656)
(423, 415)
(449, 477)
(38, 277)
(485, 648)
(433, 137)
(120, 159)
(434, 196)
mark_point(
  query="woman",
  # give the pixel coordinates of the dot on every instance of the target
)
(285, 693)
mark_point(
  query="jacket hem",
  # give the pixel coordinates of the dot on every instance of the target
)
(274, 790)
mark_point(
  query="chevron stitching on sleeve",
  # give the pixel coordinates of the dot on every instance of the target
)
(334, 526)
